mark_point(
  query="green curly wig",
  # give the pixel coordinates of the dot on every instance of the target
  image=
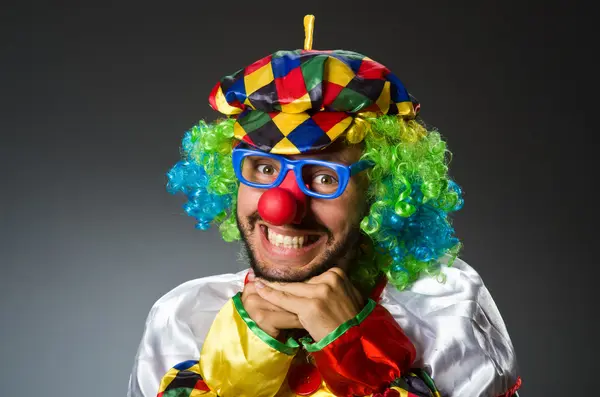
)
(411, 196)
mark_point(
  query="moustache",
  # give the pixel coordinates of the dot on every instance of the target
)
(308, 223)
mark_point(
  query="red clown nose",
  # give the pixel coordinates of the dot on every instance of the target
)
(283, 204)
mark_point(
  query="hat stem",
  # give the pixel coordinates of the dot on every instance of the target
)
(309, 27)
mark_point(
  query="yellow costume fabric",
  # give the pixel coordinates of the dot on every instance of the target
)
(238, 359)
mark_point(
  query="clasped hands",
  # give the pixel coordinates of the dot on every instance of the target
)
(318, 305)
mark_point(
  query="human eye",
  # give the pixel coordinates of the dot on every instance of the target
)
(325, 179)
(260, 169)
(266, 169)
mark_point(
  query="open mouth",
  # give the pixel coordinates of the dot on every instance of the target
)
(297, 241)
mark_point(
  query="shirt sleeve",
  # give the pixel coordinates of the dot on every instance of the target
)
(365, 355)
(176, 327)
(458, 331)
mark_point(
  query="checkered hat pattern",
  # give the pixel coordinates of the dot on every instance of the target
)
(293, 102)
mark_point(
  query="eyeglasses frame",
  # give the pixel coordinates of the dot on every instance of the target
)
(344, 172)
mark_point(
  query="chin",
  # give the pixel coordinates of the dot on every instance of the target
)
(277, 273)
(289, 253)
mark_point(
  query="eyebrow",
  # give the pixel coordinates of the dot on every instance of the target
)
(338, 154)
(331, 156)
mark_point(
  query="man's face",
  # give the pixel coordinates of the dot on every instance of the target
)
(329, 231)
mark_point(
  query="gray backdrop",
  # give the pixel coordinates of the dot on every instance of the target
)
(95, 99)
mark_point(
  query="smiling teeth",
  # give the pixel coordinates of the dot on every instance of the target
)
(279, 240)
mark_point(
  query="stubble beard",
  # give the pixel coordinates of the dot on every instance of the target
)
(335, 250)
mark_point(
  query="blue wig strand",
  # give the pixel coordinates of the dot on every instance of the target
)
(191, 177)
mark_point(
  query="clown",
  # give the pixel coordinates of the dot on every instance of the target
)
(341, 197)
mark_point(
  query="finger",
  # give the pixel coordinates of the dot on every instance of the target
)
(331, 276)
(350, 288)
(252, 300)
(339, 272)
(285, 300)
(321, 290)
(336, 278)
(302, 290)
(283, 320)
(273, 322)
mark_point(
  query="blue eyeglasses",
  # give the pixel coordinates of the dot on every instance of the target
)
(316, 178)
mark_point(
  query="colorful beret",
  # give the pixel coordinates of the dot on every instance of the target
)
(300, 101)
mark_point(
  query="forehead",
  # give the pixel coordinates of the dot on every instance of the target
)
(339, 152)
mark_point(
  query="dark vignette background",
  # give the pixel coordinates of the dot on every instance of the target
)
(95, 99)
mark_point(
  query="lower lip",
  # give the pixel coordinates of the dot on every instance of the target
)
(284, 252)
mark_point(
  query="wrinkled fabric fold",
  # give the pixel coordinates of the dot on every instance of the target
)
(367, 357)
(235, 362)
(459, 335)
(293, 102)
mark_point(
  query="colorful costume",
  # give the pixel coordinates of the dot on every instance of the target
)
(430, 327)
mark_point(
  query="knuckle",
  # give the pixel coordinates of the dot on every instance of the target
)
(339, 272)
(316, 305)
(339, 282)
(324, 290)
(251, 302)
(258, 317)
(335, 280)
